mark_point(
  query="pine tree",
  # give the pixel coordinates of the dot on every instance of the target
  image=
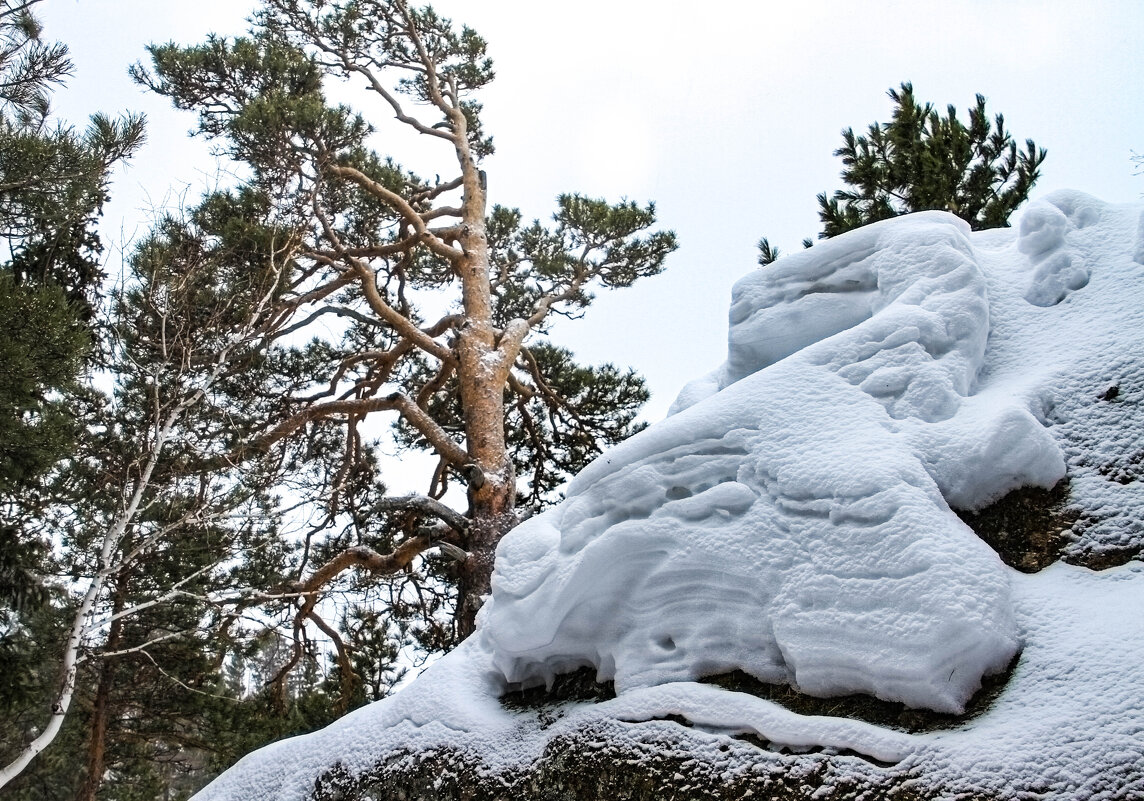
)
(231, 393)
(921, 160)
(377, 246)
(155, 533)
(53, 182)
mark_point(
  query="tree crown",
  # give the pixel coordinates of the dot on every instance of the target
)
(922, 160)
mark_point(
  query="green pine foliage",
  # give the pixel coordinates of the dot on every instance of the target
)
(922, 160)
(183, 350)
(767, 252)
(42, 349)
(53, 182)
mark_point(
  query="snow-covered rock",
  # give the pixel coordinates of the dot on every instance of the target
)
(794, 519)
(793, 525)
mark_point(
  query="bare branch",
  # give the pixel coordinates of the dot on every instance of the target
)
(338, 311)
(427, 506)
(416, 417)
(361, 557)
(517, 330)
(344, 666)
(438, 189)
(368, 282)
(523, 390)
(432, 83)
(434, 385)
(400, 205)
(372, 252)
(170, 635)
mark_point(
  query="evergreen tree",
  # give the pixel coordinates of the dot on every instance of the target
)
(157, 534)
(41, 351)
(53, 179)
(231, 394)
(921, 160)
(53, 182)
(377, 246)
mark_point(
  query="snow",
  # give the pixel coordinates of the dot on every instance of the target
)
(1070, 723)
(788, 525)
(792, 519)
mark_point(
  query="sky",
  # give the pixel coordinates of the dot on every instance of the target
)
(725, 116)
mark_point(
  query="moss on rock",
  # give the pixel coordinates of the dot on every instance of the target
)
(1028, 527)
(649, 761)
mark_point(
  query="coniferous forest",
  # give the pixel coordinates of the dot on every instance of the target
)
(200, 552)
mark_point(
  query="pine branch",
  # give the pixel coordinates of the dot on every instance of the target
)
(397, 401)
(426, 506)
(401, 206)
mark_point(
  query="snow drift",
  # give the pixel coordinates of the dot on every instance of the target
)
(793, 519)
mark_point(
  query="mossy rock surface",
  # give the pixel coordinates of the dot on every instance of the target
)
(1028, 528)
(651, 761)
(659, 759)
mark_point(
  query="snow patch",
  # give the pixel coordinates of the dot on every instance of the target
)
(1057, 272)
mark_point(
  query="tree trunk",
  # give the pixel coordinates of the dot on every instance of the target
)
(491, 515)
(482, 372)
(101, 710)
(492, 485)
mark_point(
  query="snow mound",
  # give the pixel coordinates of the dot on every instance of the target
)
(1057, 272)
(793, 524)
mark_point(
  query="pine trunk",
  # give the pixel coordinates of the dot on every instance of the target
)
(491, 518)
(492, 489)
(483, 371)
(101, 710)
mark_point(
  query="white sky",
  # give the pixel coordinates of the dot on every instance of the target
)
(726, 116)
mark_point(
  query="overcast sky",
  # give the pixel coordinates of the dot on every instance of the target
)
(726, 117)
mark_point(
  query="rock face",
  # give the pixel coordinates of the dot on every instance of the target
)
(794, 523)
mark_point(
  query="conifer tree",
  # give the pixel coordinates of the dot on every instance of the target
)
(254, 338)
(53, 182)
(158, 535)
(921, 160)
(473, 385)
